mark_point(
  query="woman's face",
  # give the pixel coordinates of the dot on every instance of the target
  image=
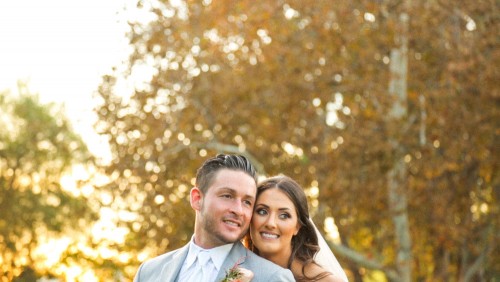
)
(274, 223)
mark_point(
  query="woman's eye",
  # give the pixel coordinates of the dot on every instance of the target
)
(285, 216)
(261, 212)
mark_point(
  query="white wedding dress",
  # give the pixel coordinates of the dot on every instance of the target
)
(326, 258)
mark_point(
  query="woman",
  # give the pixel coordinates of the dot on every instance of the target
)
(282, 232)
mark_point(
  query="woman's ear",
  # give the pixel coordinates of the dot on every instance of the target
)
(196, 198)
(297, 229)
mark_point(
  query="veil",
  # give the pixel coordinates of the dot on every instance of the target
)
(326, 258)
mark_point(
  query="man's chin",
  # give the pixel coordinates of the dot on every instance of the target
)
(231, 238)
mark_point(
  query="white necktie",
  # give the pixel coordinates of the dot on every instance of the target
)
(206, 264)
(202, 269)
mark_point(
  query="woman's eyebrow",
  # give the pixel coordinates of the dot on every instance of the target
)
(266, 206)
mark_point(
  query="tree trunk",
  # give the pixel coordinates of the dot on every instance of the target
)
(397, 174)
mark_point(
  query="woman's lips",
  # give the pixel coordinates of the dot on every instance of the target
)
(268, 235)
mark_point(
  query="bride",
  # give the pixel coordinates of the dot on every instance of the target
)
(282, 232)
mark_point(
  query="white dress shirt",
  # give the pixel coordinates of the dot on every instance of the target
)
(191, 268)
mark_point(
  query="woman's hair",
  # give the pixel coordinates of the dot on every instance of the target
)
(305, 243)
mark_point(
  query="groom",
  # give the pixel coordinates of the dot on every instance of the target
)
(223, 199)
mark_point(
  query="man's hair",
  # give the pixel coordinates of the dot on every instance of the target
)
(206, 173)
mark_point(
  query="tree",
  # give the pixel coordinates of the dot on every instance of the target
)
(303, 88)
(37, 146)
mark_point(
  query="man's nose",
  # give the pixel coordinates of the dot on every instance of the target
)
(237, 207)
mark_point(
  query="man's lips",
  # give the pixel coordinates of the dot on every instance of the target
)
(232, 222)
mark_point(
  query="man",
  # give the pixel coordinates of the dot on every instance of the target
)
(223, 199)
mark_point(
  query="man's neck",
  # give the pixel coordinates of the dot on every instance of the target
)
(206, 242)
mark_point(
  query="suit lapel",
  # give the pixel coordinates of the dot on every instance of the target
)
(238, 254)
(171, 269)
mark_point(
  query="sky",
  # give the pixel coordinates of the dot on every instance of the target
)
(62, 48)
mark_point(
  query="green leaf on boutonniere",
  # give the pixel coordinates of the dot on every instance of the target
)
(233, 273)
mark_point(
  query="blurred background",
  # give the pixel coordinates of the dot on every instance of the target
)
(386, 112)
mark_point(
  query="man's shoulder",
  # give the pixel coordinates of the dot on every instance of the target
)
(153, 266)
(161, 258)
(264, 269)
(256, 259)
(168, 256)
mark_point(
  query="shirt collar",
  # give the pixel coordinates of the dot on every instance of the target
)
(218, 254)
(192, 254)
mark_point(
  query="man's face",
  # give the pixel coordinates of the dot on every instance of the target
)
(225, 210)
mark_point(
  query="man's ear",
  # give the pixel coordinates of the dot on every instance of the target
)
(196, 198)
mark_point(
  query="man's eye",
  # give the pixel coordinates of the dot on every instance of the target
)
(226, 196)
(248, 203)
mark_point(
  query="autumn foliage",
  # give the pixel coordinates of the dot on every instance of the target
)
(303, 88)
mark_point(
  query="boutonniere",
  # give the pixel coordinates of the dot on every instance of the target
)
(237, 273)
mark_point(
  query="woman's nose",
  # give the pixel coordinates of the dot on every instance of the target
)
(271, 222)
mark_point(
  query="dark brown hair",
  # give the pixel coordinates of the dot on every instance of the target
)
(305, 243)
(210, 167)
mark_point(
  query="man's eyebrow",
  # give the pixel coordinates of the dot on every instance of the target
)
(233, 191)
(250, 197)
(227, 189)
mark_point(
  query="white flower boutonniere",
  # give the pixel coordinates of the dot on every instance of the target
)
(238, 274)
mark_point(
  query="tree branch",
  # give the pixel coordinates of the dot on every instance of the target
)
(361, 260)
(488, 248)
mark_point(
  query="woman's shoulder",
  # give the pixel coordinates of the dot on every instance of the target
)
(313, 270)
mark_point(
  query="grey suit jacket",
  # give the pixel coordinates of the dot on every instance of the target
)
(166, 268)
